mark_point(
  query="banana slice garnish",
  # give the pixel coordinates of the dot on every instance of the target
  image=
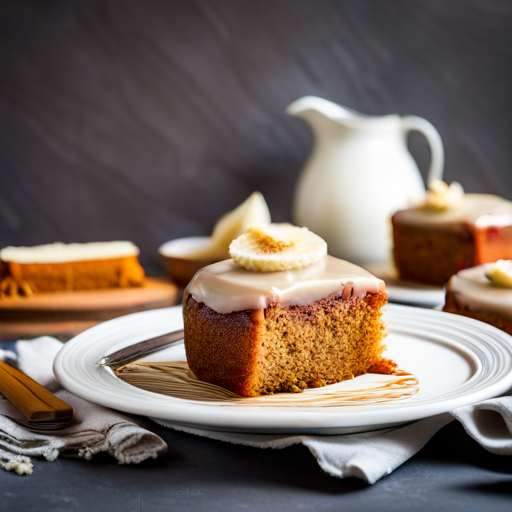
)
(500, 274)
(277, 247)
(441, 196)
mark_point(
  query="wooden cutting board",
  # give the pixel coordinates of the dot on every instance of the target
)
(68, 313)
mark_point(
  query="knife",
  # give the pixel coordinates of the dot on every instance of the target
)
(140, 350)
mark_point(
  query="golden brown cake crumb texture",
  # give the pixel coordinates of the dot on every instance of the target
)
(452, 305)
(286, 349)
(25, 279)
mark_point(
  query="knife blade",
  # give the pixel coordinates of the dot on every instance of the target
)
(140, 350)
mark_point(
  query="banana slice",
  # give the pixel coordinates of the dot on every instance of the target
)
(441, 196)
(277, 247)
(500, 273)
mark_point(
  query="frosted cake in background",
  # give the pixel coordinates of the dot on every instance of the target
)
(449, 232)
(58, 267)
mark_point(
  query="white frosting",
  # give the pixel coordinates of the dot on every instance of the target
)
(226, 287)
(62, 253)
(474, 290)
(484, 209)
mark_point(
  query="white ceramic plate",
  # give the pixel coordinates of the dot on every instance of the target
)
(407, 292)
(458, 361)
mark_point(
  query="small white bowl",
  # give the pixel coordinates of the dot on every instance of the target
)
(180, 268)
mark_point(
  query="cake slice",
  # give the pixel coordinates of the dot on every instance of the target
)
(258, 333)
(65, 267)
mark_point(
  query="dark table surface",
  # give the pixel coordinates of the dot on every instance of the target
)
(451, 473)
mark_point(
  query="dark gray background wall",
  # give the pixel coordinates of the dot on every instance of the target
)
(147, 119)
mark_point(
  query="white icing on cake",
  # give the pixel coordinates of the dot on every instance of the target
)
(473, 289)
(62, 253)
(226, 287)
(484, 209)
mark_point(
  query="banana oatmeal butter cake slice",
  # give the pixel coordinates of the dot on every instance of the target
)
(283, 316)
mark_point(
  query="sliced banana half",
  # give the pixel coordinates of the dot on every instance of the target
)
(500, 273)
(277, 247)
(252, 212)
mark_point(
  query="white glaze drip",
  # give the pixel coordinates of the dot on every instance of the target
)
(474, 290)
(226, 287)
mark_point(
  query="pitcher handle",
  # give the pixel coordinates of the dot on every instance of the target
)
(421, 125)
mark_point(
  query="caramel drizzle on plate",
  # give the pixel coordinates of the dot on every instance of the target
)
(176, 380)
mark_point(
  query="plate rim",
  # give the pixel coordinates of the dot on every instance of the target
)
(258, 419)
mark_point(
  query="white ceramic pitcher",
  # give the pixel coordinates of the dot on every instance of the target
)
(358, 174)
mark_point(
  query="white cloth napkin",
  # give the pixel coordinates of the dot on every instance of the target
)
(368, 456)
(372, 455)
(94, 428)
(489, 423)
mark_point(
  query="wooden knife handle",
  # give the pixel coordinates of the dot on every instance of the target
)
(33, 400)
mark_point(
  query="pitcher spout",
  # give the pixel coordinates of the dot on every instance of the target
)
(307, 106)
(325, 117)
